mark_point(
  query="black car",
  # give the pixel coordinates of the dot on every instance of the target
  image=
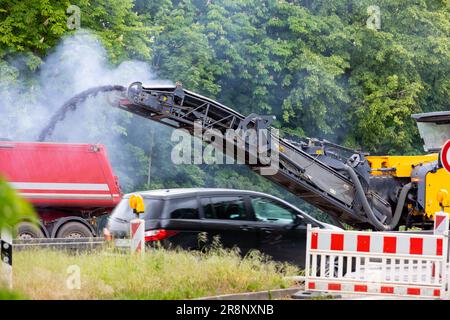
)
(246, 219)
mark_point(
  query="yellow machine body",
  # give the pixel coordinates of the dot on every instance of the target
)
(402, 167)
(403, 164)
(429, 180)
(434, 182)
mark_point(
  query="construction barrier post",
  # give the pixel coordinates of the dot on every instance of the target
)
(441, 225)
(137, 226)
(6, 257)
(377, 263)
(137, 232)
(445, 292)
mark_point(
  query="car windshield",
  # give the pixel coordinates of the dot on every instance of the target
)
(153, 209)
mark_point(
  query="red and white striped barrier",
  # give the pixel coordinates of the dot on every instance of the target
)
(137, 236)
(380, 263)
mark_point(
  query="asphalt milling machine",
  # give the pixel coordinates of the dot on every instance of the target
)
(377, 192)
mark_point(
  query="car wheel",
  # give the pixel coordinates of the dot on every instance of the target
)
(74, 230)
(28, 230)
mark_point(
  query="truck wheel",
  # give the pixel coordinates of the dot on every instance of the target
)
(27, 230)
(74, 230)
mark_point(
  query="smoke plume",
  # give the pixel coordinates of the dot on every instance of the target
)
(78, 63)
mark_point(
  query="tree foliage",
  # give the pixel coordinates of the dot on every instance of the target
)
(13, 208)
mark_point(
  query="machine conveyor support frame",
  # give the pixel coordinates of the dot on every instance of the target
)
(301, 173)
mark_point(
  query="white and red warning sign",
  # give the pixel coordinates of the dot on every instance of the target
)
(440, 223)
(445, 156)
(137, 232)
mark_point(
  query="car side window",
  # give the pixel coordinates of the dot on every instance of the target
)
(269, 210)
(227, 208)
(208, 210)
(183, 209)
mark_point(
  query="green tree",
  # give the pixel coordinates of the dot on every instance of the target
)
(124, 33)
(31, 28)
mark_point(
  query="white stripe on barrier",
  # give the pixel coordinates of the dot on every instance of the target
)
(350, 242)
(376, 244)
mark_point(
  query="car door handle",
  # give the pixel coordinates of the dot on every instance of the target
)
(266, 230)
(246, 228)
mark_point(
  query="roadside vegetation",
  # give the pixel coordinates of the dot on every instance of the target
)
(160, 274)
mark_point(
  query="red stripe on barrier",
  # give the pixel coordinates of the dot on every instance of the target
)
(413, 291)
(314, 237)
(437, 293)
(415, 246)
(311, 285)
(337, 242)
(389, 245)
(363, 243)
(134, 227)
(334, 286)
(439, 247)
(387, 289)
(360, 288)
(439, 220)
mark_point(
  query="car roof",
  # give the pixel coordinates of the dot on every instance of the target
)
(189, 192)
(186, 192)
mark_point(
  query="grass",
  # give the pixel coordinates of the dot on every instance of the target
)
(11, 295)
(160, 274)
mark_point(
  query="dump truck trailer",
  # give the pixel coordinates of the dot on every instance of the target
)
(71, 186)
(377, 192)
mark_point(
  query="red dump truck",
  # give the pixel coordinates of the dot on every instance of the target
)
(71, 186)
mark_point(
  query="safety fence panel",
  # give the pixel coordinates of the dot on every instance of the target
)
(378, 263)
